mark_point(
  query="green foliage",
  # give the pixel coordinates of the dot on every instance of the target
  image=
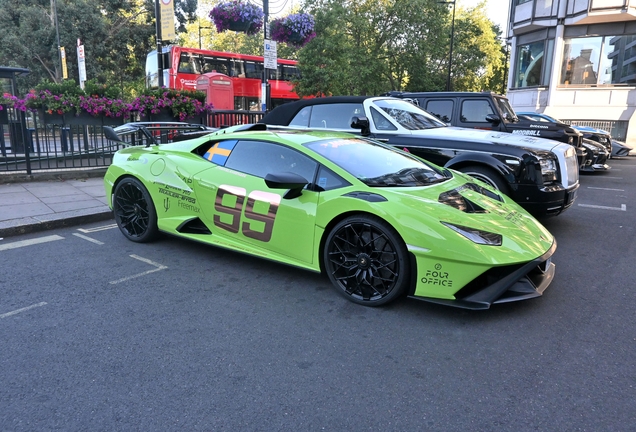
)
(116, 34)
(372, 46)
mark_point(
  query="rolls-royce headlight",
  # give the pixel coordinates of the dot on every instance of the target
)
(548, 169)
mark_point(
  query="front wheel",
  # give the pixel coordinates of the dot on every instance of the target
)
(134, 211)
(488, 176)
(366, 260)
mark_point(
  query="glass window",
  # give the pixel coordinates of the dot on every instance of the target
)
(329, 180)
(381, 122)
(270, 158)
(581, 60)
(599, 60)
(216, 64)
(302, 118)
(529, 65)
(253, 69)
(475, 111)
(376, 164)
(335, 116)
(407, 115)
(442, 109)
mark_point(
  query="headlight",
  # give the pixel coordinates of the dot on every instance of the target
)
(548, 169)
(476, 236)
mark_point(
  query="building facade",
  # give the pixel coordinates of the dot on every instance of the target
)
(575, 60)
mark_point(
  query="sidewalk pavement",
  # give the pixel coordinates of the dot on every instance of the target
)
(46, 202)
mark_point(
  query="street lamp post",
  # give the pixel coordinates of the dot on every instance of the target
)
(205, 28)
(452, 38)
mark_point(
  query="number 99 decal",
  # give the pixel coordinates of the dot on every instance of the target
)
(237, 196)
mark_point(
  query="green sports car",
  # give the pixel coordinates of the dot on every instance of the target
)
(380, 222)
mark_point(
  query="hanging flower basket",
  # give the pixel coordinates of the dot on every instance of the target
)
(295, 29)
(238, 16)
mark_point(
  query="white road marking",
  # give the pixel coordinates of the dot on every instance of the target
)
(623, 207)
(34, 241)
(88, 238)
(615, 178)
(17, 311)
(100, 228)
(607, 189)
(137, 257)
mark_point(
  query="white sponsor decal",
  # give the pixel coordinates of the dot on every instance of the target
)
(526, 132)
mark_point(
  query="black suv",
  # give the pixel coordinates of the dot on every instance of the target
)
(491, 111)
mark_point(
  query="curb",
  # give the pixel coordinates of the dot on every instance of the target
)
(52, 176)
(33, 225)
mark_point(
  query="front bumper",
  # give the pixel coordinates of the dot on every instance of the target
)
(504, 284)
(546, 201)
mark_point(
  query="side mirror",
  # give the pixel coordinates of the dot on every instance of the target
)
(362, 123)
(493, 118)
(286, 180)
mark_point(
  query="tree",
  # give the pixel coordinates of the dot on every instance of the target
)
(117, 35)
(372, 46)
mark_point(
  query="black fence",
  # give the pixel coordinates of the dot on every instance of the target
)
(31, 141)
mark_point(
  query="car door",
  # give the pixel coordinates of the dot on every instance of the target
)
(244, 212)
(473, 112)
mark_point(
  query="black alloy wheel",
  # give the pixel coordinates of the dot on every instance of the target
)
(366, 260)
(134, 211)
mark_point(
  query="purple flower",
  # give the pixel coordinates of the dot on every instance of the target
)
(294, 29)
(225, 14)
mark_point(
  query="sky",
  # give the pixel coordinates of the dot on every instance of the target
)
(496, 10)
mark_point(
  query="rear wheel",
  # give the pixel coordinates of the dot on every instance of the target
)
(134, 211)
(488, 176)
(366, 260)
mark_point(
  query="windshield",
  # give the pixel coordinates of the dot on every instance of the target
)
(408, 115)
(376, 164)
(506, 110)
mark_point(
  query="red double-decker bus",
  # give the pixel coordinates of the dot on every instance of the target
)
(183, 65)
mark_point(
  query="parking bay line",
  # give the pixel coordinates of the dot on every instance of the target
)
(137, 257)
(88, 238)
(31, 242)
(99, 228)
(606, 189)
(623, 207)
(17, 311)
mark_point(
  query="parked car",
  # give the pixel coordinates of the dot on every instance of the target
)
(491, 111)
(620, 149)
(614, 147)
(541, 175)
(378, 221)
(597, 152)
(598, 135)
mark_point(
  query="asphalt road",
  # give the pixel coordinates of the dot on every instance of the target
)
(99, 333)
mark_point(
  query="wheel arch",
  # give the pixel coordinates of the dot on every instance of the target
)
(478, 159)
(333, 222)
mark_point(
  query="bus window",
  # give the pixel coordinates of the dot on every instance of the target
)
(289, 73)
(188, 63)
(253, 69)
(237, 68)
(217, 64)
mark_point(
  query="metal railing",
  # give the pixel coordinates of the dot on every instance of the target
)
(36, 142)
(617, 128)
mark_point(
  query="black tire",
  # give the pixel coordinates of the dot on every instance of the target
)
(488, 176)
(134, 211)
(366, 260)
